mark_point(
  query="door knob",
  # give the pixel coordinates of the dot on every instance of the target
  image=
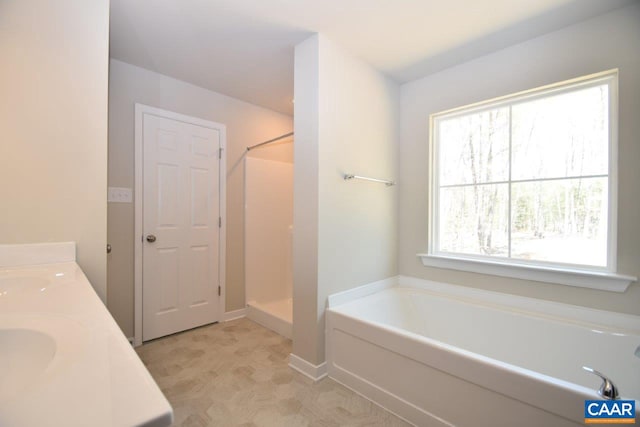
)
(151, 238)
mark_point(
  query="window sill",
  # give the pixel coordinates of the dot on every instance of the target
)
(603, 281)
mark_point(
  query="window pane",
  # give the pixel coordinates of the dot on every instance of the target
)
(560, 221)
(474, 148)
(562, 135)
(474, 220)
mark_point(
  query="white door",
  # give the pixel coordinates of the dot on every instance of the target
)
(181, 211)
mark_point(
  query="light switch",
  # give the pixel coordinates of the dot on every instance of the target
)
(120, 195)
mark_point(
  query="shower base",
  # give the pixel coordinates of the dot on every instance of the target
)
(275, 315)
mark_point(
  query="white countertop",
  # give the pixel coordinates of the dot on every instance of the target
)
(64, 360)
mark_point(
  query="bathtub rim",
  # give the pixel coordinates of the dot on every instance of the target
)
(559, 311)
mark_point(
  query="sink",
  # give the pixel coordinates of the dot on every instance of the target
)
(36, 349)
(20, 284)
(25, 355)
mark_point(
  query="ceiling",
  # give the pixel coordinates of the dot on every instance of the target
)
(244, 48)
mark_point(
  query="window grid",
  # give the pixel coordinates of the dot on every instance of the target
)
(519, 181)
(510, 181)
(606, 78)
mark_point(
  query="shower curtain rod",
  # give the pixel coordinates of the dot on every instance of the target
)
(270, 141)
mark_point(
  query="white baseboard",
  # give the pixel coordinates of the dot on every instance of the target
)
(233, 315)
(315, 372)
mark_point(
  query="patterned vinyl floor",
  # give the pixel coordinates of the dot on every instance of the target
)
(236, 374)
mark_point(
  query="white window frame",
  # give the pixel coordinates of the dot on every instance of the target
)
(603, 278)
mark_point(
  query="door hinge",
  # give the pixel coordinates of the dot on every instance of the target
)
(219, 222)
(219, 291)
(220, 153)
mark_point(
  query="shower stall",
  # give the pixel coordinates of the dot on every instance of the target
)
(268, 243)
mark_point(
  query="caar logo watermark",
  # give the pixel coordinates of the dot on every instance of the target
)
(610, 411)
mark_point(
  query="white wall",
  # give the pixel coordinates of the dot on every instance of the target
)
(268, 218)
(305, 199)
(609, 41)
(345, 233)
(246, 124)
(53, 122)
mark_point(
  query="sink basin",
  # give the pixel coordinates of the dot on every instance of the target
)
(20, 284)
(25, 355)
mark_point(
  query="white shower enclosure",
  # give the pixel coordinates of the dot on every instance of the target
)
(268, 243)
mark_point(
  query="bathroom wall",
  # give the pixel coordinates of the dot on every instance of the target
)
(268, 217)
(345, 232)
(247, 124)
(53, 121)
(605, 42)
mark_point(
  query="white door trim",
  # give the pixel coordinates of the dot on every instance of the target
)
(140, 110)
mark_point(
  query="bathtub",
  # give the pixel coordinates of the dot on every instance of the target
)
(444, 355)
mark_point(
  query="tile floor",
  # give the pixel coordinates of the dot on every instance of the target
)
(236, 374)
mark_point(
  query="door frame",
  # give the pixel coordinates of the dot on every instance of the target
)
(140, 111)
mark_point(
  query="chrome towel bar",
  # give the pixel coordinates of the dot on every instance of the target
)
(388, 183)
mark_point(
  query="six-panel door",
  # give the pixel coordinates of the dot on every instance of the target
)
(181, 209)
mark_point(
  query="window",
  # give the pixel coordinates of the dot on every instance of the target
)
(528, 179)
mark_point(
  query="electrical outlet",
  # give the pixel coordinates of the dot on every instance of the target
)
(120, 195)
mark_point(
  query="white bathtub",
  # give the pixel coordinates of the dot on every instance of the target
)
(440, 355)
